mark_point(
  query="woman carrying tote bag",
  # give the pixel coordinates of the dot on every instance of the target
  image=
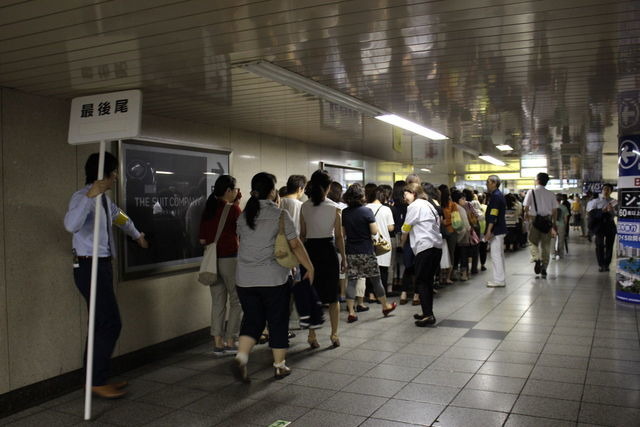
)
(220, 202)
(261, 282)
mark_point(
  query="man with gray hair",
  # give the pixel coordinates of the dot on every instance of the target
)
(496, 230)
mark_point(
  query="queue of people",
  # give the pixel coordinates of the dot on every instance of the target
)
(413, 236)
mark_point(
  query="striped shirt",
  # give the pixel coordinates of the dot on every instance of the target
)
(257, 265)
(79, 221)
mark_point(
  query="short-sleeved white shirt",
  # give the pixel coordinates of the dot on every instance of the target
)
(384, 218)
(319, 220)
(292, 206)
(423, 223)
(545, 200)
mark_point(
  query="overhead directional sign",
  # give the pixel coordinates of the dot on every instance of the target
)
(629, 154)
(629, 112)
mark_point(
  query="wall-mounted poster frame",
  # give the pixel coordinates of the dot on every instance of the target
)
(163, 187)
(345, 175)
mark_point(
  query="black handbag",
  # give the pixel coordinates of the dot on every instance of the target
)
(541, 223)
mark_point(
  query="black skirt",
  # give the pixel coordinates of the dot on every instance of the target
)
(324, 258)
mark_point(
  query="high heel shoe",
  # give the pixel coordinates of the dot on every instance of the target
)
(392, 307)
(281, 371)
(313, 343)
(335, 341)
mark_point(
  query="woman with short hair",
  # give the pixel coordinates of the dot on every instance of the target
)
(359, 226)
(422, 229)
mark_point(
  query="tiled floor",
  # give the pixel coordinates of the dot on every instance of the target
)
(555, 352)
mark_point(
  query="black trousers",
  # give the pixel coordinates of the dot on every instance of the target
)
(461, 257)
(482, 251)
(108, 323)
(307, 302)
(605, 238)
(262, 305)
(427, 262)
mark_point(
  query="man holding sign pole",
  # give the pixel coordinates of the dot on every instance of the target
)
(79, 220)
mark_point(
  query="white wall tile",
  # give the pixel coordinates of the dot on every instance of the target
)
(158, 309)
(273, 157)
(39, 178)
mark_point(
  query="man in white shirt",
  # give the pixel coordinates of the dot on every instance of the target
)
(542, 203)
(602, 211)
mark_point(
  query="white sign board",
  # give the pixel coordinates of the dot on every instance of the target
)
(106, 116)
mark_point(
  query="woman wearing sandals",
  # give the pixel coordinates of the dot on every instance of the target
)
(261, 282)
(360, 225)
(320, 223)
(422, 228)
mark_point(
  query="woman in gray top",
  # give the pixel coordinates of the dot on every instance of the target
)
(261, 282)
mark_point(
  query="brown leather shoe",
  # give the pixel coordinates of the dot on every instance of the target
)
(108, 391)
(120, 384)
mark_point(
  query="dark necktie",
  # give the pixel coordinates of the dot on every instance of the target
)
(107, 220)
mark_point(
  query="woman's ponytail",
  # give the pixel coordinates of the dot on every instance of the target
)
(318, 186)
(262, 184)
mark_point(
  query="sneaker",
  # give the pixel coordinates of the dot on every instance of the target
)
(495, 285)
(230, 349)
(426, 321)
(537, 267)
(218, 351)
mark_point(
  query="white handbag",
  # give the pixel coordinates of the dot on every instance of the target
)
(445, 261)
(209, 266)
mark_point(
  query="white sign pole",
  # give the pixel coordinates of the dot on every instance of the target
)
(94, 283)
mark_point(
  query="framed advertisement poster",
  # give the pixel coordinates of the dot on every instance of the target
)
(163, 189)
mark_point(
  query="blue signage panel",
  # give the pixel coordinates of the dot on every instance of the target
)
(628, 269)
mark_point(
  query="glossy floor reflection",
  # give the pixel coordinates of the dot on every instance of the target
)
(555, 352)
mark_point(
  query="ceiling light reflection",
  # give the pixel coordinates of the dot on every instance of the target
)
(492, 160)
(411, 126)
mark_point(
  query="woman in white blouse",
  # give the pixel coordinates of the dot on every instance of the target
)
(320, 227)
(422, 226)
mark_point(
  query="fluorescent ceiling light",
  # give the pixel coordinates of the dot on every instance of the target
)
(210, 173)
(425, 170)
(504, 147)
(289, 78)
(410, 126)
(164, 173)
(492, 160)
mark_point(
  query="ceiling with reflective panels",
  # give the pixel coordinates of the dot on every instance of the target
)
(542, 77)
